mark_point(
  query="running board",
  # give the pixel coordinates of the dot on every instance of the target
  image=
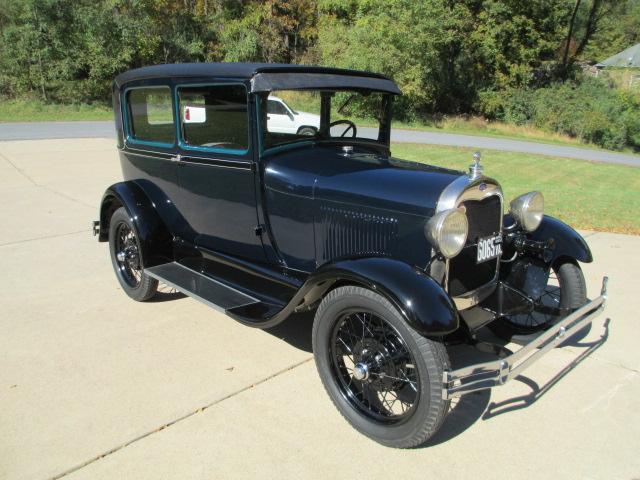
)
(190, 282)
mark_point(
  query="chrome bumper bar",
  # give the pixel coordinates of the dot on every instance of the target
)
(498, 372)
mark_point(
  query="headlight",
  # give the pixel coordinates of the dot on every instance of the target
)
(528, 210)
(447, 231)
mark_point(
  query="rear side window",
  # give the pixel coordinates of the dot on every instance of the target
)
(215, 117)
(151, 115)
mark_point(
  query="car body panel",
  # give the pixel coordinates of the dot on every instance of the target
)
(567, 242)
(154, 237)
(363, 203)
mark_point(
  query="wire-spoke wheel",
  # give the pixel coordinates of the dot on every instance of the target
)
(565, 291)
(126, 257)
(384, 377)
(375, 370)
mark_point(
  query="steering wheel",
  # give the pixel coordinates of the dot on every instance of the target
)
(350, 126)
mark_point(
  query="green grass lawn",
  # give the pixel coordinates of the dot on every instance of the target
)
(481, 127)
(36, 111)
(593, 196)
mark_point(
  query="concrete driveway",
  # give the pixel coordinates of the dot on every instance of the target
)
(95, 386)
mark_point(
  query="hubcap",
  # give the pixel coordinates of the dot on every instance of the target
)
(361, 371)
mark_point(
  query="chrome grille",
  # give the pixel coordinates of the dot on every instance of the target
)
(485, 219)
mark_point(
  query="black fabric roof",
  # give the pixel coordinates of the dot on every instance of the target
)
(317, 76)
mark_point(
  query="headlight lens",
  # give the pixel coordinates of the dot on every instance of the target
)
(528, 210)
(447, 231)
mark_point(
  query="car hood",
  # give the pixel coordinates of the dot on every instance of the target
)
(370, 180)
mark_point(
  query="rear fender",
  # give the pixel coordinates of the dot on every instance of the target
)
(419, 298)
(155, 239)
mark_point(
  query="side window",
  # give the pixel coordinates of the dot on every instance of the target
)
(276, 108)
(215, 116)
(151, 115)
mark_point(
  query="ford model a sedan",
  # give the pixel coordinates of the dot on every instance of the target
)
(256, 189)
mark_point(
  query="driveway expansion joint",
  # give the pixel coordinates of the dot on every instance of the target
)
(21, 172)
(178, 419)
(47, 237)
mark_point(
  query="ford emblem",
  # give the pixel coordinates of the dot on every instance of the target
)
(483, 187)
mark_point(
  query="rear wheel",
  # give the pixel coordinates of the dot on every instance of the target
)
(125, 250)
(384, 378)
(565, 291)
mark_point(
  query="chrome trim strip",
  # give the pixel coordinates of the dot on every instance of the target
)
(154, 157)
(216, 162)
(460, 190)
(129, 149)
(486, 375)
(205, 161)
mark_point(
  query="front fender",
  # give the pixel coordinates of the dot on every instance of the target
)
(419, 298)
(567, 242)
(155, 239)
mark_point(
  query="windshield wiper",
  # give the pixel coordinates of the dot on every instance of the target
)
(346, 102)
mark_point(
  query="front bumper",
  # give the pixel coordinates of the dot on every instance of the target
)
(498, 372)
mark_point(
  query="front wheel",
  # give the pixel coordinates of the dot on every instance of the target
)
(382, 376)
(565, 291)
(126, 257)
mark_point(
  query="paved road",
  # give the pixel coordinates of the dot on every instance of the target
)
(96, 386)
(34, 131)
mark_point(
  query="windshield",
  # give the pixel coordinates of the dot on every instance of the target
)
(291, 116)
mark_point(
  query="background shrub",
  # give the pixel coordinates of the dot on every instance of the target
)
(587, 109)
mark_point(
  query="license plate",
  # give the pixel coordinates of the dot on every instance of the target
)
(489, 248)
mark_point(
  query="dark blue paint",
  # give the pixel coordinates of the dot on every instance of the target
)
(299, 183)
(568, 242)
(154, 237)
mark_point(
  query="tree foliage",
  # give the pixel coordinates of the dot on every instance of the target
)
(448, 56)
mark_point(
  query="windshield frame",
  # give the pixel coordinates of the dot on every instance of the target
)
(384, 123)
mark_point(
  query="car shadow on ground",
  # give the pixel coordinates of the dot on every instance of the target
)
(296, 331)
(537, 391)
(166, 294)
(468, 409)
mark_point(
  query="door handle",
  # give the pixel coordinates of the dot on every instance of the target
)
(268, 117)
(177, 158)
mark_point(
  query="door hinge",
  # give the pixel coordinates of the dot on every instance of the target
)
(259, 230)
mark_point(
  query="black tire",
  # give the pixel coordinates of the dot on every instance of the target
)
(123, 238)
(309, 131)
(398, 344)
(566, 288)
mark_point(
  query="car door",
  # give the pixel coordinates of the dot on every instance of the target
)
(216, 174)
(149, 148)
(279, 119)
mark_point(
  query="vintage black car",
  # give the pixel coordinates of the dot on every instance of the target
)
(259, 190)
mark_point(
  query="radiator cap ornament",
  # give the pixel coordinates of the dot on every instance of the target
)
(475, 169)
